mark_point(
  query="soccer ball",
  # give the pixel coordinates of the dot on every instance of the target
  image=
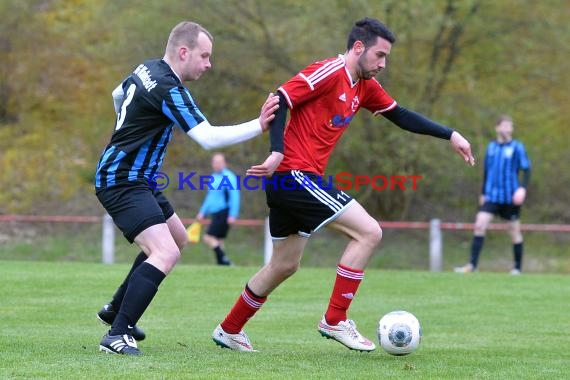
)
(399, 333)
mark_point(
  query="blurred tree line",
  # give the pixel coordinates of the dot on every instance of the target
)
(461, 62)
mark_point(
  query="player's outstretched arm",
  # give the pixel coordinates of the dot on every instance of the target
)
(417, 123)
(462, 147)
(210, 137)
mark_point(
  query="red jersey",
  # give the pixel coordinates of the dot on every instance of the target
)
(322, 100)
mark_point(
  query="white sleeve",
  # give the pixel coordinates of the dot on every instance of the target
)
(118, 97)
(210, 137)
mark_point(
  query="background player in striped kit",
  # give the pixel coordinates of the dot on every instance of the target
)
(502, 193)
(149, 103)
(323, 99)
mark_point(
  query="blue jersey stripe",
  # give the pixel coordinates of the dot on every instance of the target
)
(102, 162)
(139, 161)
(167, 140)
(195, 108)
(189, 120)
(154, 163)
(113, 168)
(168, 113)
(500, 178)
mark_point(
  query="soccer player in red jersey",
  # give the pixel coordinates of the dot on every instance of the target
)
(322, 100)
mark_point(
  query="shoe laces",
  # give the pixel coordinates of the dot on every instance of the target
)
(351, 329)
(244, 336)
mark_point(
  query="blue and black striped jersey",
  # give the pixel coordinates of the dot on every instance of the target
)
(154, 101)
(503, 161)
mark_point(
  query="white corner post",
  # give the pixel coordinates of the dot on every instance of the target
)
(267, 243)
(435, 246)
(108, 242)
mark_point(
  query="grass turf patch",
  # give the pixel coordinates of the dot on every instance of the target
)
(485, 325)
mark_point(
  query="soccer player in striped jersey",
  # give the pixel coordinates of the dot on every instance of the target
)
(322, 100)
(502, 193)
(149, 103)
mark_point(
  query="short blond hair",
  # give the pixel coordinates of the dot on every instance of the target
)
(502, 118)
(185, 33)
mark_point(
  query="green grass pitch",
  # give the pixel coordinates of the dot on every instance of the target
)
(479, 326)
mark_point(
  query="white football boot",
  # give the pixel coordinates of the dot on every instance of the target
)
(237, 342)
(346, 333)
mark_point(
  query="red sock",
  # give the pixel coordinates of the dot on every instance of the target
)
(245, 307)
(345, 286)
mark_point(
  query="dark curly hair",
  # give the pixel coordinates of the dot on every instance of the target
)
(367, 30)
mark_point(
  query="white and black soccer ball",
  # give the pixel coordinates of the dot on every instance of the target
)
(399, 333)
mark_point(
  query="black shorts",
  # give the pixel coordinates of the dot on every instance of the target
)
(134, 207)
(300, 203)
(219, 226)
(505, 211)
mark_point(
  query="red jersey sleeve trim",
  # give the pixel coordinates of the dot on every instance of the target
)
(282, 90)
(391, 106)
(329, 68)
(307, 80)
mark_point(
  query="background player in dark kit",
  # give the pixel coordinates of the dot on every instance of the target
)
(502, 193)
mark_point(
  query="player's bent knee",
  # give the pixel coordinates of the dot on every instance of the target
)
(516, 236)
(166, 259)
(286, 269)
(373, 234)
(379, 234)
(479, 229)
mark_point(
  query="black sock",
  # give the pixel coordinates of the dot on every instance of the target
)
(220, 255)
(518, 253)
(143, 285)
(120, 293)
(476, 247)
